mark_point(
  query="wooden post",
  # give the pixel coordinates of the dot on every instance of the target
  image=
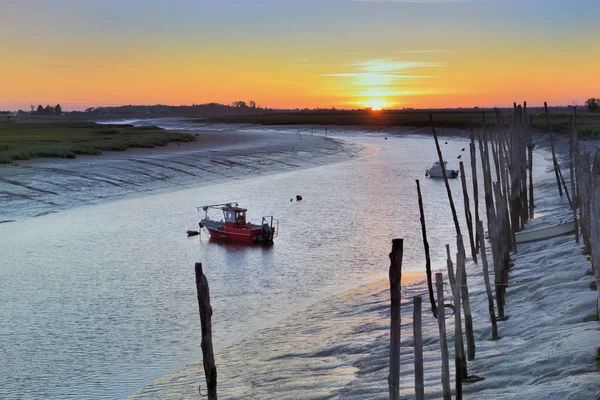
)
(464, 288)
(554, 161)
(395, 291)
(475, 186)
(450, 267)
(208, 358)
(443, 166)
(572, 170)
(530, 166)
(469, 218)
(459, 348)
(486, 280)
(418, 346)
(441, 317)
(595, 233)
(584, 181)
(426, 246)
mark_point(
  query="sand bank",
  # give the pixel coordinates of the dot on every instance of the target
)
(42, 186)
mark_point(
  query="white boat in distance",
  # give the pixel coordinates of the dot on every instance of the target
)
(436, 171)
(546, 232)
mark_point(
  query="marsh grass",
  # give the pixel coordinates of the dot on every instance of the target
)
(588, 124)
(23, 140)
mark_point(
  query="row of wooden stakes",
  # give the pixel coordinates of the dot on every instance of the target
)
(509, 204)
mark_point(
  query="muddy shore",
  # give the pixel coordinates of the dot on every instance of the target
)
(42, 186)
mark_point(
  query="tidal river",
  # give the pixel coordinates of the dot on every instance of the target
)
(99, 301)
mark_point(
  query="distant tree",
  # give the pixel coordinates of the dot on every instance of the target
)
(251, 104)
(593, 104)
(58, 109)
(40, 109)
(239, 104)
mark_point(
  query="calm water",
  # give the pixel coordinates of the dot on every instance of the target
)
(99, 301)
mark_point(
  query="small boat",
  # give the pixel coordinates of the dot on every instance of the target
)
(546, 232)
(436, 171)
(235, 228)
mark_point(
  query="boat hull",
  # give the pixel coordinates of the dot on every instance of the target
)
(239, 237)
(452, 174)
(545, 233)
(247, 233)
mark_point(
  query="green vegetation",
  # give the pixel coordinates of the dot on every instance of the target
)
(588, 124)
(593, 105)
(23, 139)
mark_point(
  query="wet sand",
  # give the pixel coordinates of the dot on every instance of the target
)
(42, 186)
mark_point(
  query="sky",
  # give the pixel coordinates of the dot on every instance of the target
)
(298, 54)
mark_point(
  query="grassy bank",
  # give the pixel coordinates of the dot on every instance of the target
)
(588, 124)
(23, 139)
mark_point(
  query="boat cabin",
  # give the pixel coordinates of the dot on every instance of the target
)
(234, 216)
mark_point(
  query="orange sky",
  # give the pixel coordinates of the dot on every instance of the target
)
(330, 53)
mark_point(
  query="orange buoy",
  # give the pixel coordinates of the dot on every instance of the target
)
(298, 197)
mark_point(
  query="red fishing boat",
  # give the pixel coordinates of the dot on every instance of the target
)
(235, 228)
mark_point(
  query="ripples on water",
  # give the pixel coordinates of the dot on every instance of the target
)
(99, 301)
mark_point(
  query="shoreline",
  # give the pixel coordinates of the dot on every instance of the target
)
(546, 348)
(47, 185)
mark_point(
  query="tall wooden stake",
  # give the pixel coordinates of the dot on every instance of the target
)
(459, 349)
(486, 280)
(395, 291)
(418, 339)
(572, 170)
(554, 161)
(469, 218)
(426, 246)
(443, 166)
(475, 186)
(441, 317)
(208, 357)
(464, 288)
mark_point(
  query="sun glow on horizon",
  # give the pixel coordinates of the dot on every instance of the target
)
(376, 104)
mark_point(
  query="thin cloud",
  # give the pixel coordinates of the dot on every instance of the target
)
(389, 66)
(384, 81)
(373, 75)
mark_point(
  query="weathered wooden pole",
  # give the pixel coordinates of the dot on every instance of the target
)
(486, 280)
(418, 346)
(208, 357)
(426, 246)
(468, 217)
(572, 171)
(445, 176)
(395, 292)
(530, 167)
(464, 288)
(584, 203)
(595, 232)
(475, 186)
(459, 348)
(441, 317)
(450, 267)
(554, 161)
(461, 368)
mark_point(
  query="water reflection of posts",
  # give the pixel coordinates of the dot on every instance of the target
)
(208, 358)
(441, 317)
(395, 292)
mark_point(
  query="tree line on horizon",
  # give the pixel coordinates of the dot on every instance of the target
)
(48, 110)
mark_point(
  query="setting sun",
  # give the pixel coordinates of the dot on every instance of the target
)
(376, 104)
